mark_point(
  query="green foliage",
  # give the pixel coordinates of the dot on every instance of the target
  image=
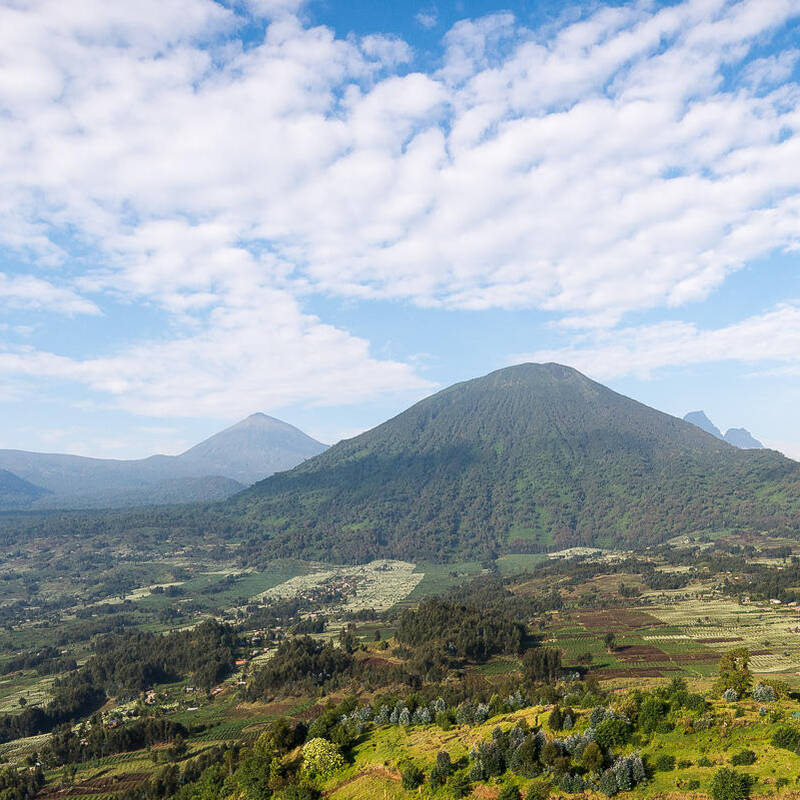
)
(743, 758)
(728, 784)
(321, 758)
(612, 733)
(664, 762)
(786, 737)
(411, 776)
(462, 630)
(459, 785)
(255, 770)
(509, 792)
(734, 673)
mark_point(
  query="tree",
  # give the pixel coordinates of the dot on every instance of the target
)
(728, 784)
(733, 672)
(593, 757)
(610, 641)
(321, 757)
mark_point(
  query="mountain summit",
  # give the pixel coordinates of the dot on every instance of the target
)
(252, 449)
(738, 437)
(527, 458)
(214, 469)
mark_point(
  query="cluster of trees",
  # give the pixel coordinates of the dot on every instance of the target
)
(133, 661)
(46, 661)
(461, 630)
(20, 784)
(96, 740)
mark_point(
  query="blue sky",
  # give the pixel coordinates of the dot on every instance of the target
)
(327, 210)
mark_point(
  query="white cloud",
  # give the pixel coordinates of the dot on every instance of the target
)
(259, 351)
(428, 18)
(602, 168)
(27, 291)
(769, 338)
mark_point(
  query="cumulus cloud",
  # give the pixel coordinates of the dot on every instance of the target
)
(768, 341)
(262, 352)
(628, 160)
(27, 291)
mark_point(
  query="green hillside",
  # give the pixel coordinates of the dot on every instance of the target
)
(527, 458)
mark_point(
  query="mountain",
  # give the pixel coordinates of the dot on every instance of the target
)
(16, 492)
(738, 437)
(212, 470)
(700, 419)
(252, 449)
(528, 458)
(741, 437)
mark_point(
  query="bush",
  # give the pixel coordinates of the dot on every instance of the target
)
(321, 757)
(704, 762)
(728, 784)
(460, 785)
(786, 737)
(693, 785)
(411, 776)
(509, 792)
(664, 763)
(730, 695)
(743, 758)
(538, 790)
(764, 694)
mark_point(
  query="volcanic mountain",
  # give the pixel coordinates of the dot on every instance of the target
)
(528, 458)
(214, 469)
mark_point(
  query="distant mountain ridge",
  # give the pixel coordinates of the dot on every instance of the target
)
(525, 459)
(17, 491)
(216, 468)
(738, 437)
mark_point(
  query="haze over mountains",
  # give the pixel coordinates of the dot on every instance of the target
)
(527, 458)
(738, 437)
(212, 470)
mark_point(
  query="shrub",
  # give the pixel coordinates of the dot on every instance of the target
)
(704, 762)
(693, 785)
(730, 695)
(411, 776)
(608, 783)
(764, 694)
(460, 785)
(538, 790)
(509, 792)
(592, 757)
(786, 737)
(743, 758)
(728, 784)
(611, 732)
(664, 763)
(321, 757)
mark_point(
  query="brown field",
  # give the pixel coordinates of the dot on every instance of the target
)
(112, 784)
(641, 653)
(617, 619)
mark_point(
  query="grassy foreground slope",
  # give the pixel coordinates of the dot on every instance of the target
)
(524, 459)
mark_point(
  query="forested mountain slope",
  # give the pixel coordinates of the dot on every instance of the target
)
(526, 458)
